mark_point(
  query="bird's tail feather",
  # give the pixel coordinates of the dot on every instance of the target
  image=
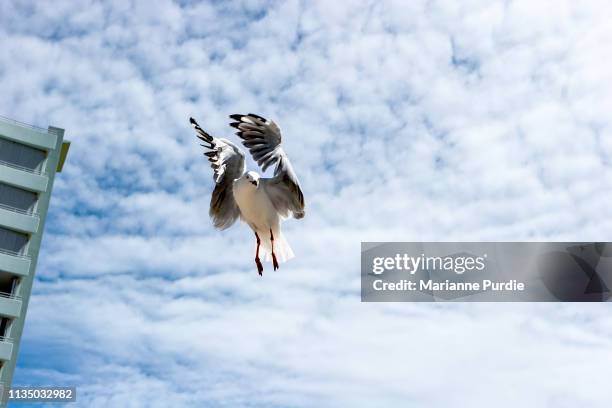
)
(282, 250)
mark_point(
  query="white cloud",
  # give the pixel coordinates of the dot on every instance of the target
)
(421, 121)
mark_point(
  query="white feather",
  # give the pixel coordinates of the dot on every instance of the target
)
(257, 210)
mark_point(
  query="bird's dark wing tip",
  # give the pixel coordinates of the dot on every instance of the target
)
(236, 116)
(192, 121)
(257, 117)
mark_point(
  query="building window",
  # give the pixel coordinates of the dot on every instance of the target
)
(13, 242)
(5, 327)
(16, 198)
(8, 284)
(17, 154)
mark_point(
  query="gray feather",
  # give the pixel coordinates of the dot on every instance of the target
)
(227, 161)
(263, 139)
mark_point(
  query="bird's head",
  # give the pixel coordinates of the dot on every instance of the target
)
(253, 178)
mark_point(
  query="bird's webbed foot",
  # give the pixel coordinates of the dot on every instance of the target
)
(259, 266)
(274, 261)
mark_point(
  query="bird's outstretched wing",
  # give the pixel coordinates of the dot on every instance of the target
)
(263, 139)
(227, 161)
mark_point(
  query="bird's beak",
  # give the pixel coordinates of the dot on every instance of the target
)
(254, 183)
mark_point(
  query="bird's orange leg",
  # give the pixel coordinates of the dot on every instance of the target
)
(257, 260)
(274, 261)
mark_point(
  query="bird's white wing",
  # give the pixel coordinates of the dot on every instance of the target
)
(263, 139)
(227, 162)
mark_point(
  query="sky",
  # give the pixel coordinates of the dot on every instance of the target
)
(405, 121)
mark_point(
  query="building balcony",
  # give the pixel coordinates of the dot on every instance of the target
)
(10, 305)
(27, 134)
(6, 348)
(14, 263)
(23, 177)
(19, 220)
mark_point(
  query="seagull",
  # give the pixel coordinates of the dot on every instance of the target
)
(262, 203)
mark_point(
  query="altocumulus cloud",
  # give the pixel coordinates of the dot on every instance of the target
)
(421, 120)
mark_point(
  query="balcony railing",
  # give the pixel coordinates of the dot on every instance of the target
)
(18, 167)
(16, 122)
(13, 253)
(10, 296)
(19, 210)
(6, 339)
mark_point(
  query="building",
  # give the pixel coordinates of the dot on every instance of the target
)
(29, 159)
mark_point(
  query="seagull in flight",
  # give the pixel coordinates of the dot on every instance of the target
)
(262, 203)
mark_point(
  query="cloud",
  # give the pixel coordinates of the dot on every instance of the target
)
(422, 121)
